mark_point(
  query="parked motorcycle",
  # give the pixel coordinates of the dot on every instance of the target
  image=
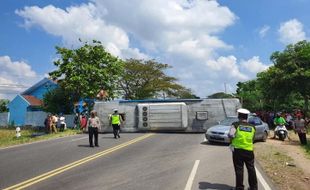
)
(281, 132)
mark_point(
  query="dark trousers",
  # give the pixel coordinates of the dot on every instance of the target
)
(116, 130)
(241, 157)
(93, 131)
(302, 138)
(62, 127)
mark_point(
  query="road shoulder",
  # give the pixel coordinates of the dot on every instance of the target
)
(284, 163)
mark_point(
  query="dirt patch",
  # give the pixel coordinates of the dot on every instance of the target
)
(285, 162)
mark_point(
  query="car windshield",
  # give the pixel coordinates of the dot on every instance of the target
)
(255, 121)
(228, 121)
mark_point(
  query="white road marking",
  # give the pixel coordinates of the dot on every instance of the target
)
(79, 139)
(262, 180)
(192, 176)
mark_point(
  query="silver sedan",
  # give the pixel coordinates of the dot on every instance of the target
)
(219, 133)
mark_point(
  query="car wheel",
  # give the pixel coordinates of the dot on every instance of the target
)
(265, 136)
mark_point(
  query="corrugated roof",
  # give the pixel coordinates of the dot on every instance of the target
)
(33, 100)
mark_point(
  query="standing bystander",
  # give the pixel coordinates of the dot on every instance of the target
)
(53, 124)
(83, 122)
(62, 122)
(93, 125)
(47, 123)
(301, 128)
(76, 121)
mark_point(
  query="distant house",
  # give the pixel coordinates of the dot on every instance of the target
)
(29, 100)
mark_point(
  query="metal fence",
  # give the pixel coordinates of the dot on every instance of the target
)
(4, 119)
(34, 119)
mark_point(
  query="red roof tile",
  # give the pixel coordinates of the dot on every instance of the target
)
(33, 100)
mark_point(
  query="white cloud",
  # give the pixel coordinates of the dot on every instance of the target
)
(263, 31)
(253, 65)
(291, 32)
(15, 76)
(182, 33)
(227, 68)
(161, 25)
(77, 22)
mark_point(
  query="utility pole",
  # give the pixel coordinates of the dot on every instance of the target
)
(225, 87)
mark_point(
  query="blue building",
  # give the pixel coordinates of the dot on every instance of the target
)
(29, 100)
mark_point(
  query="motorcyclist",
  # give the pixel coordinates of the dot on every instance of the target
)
(279, 122)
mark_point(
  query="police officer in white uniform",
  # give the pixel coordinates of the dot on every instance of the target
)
(242, 134)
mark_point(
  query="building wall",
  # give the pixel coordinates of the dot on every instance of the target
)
(36, 119)
(18, 108)
(41, 90)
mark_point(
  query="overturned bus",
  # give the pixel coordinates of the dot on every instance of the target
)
(187, 115)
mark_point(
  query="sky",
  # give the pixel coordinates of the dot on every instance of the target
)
(210, 44)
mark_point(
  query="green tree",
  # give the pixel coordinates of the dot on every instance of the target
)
(293, 69)
(283, 85)
(58, 101)
(220, 95)
(4, 105)
(250, 94)
(183, 93)
(84, 71)
(272, 85)
(146, 79)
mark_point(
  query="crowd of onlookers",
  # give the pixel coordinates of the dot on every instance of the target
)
(295, 120)
(268, 117)
(54, 123)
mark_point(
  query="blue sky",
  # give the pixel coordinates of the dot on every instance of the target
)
(208, 43)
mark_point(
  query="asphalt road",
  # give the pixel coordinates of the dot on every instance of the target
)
(136, 161)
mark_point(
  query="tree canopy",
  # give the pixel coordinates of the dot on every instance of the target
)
(146, 79)
(4, 105)
(90, 71)
(58, 101)
(220, 95)
(84, 71)
(283, 85)
(293, 69)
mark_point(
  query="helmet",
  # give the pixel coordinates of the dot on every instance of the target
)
(115, 110)
(243, 111)
(243, 114)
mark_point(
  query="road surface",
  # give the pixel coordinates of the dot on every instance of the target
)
(136, 161)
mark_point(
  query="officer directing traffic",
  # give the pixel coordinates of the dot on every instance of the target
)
(116, 121)
(242, 135)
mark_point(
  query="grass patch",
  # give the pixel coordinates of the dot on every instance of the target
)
(8, 136)
(278, 167)
(307, 149)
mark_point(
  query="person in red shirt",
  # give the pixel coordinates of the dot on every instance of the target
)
(83, 122)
